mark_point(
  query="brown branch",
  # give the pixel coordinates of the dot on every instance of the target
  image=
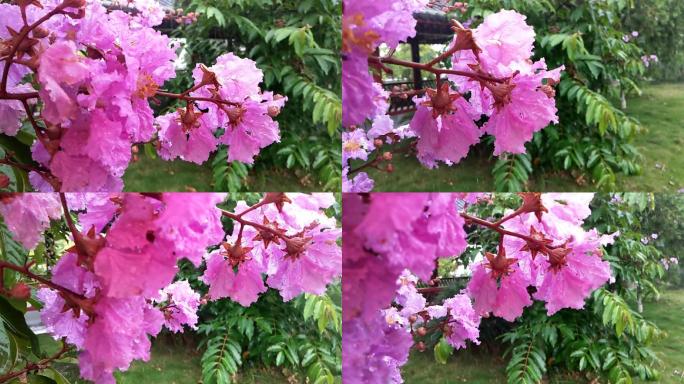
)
(40, 365)
(17, 42)
(243, 222)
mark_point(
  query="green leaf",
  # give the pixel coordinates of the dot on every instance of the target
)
(15, 323)
(442, 351)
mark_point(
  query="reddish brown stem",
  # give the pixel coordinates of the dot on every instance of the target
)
(22, 35)
(497, 227)
(24, 270)
(243, 222)
(32, 367)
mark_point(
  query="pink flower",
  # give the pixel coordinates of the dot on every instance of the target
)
(445, 138)
(523, 109)
(464, 322)
(567, 285)
(355, 145)
(181, 304)
(243, 286)
(357, 90)
(60, 72)
(192, 222)
(195, 145)
(360, 183)
(28, 215)
(505, 299)
(307, 264)
(505, 37)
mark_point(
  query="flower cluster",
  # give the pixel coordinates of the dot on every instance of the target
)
(393, 240)
(295, 245)
(28, 215)
(384, 234)
(491, 75)
(84, 75)
(113, 289)
(555, 255)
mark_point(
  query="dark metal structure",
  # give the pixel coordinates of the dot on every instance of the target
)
(431, 28)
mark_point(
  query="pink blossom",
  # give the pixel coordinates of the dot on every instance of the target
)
(464, 322)
(181, 304)
(446, 138)
(505, 37)
(355, 145)
(195, 145)
(308, 267)
(505, 299)
(28, 215)
(529, 110)
(357, 90)
(60, 72)
(360, 183)
(243, 286)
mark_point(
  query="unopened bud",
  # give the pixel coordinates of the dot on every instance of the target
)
(413, 318)
(20, 291)
(40, 32)
(389, 168)
(387, 156)
(377, 143)
(4, 180)
(135, 158)
(135, 149)
(273, 111)
(422, 331)
(74, 3)
(420, 346)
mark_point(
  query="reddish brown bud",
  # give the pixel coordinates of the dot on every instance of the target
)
(4, 180)
(532, 203)
(420, 346)
(377, 143)
(40, 32)
(422, 331)
(273, 111)
(277, 198)
(389, 168)
(412, 319)
(387, 156)
(20, 291)
(296, 246)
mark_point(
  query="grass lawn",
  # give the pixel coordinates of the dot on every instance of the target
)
(148, 174)
(171, 363)
(660, 109)
(476, 366)
(668, 314)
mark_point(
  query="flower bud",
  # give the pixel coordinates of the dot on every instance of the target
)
(387, 156)
(389, 168)
(20, 291)
(420, 346)
(273, 111)
(40, 32)
(412, 319)
(277, 198)
(422, 331)
(377, 143)
(4, 180)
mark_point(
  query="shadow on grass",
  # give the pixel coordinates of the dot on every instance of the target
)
(175, 359)
(154, 174)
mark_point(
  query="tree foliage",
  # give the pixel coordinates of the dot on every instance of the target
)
(296, 44)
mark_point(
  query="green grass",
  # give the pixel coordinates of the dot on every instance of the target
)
(475, 365)
(148, 174)
(660, 109)
(173, 361)
(467, 366)
(668, 314)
